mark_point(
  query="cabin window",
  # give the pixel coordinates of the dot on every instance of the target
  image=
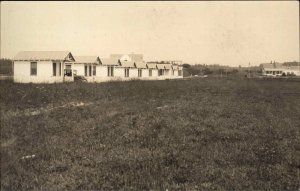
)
(140, 72)
(110, 71)
(150, 72)
(85, 70)
(94, 70)
(160, 72)
(54, 68)
(33, 68)
(126, 72)
(90, 70)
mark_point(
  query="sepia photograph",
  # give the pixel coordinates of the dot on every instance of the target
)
(150, 95)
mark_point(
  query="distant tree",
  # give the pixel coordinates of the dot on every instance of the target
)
(6, 66)
(234, 71)
(293, 63)
(206, 71)
(221, 70)
(186, 65)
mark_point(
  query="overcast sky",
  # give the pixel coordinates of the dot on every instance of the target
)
(229, 33)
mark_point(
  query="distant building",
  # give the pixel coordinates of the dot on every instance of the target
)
(153, 70)
(127, 70)
(278, 69)
(42, 66)
(143, 70)
(168, 69)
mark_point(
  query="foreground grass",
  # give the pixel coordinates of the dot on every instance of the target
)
(208, 134)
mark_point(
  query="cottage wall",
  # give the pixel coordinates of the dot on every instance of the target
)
(154, 73)
(175, 73)
(119, 72)
(44, 72)
(145, 73)
(101, 71)
(102, 74)
(133, 73)
(79, 69)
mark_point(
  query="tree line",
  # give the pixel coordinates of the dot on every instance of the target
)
(6, 66)
(217, 70)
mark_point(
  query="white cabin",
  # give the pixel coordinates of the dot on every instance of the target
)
(153, 71)
(143, 71)
(43, 67)
(106, 70)
(86, 66)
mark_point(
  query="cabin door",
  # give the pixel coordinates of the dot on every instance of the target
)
(68, 75)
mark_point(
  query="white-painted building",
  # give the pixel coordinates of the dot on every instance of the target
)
(174, 71)
(127, 70)
(168, 71)
(107, 70)
(278, 69)
(180, 71)
(153, 71)
(161, 71)
(132, 66)
(86, 66)
(61, 66)
(143, 71)
(43, 66)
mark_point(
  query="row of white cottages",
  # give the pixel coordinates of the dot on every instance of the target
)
(61, 66)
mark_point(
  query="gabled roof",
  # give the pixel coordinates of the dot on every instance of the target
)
(152, 65)
(168, 66)
(109, 61)
(134, 57)
(127, 64)
(87, 60)
(140, 64)
(44, 56)
(160, 66)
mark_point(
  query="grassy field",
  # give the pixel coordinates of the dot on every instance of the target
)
(198, 134)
